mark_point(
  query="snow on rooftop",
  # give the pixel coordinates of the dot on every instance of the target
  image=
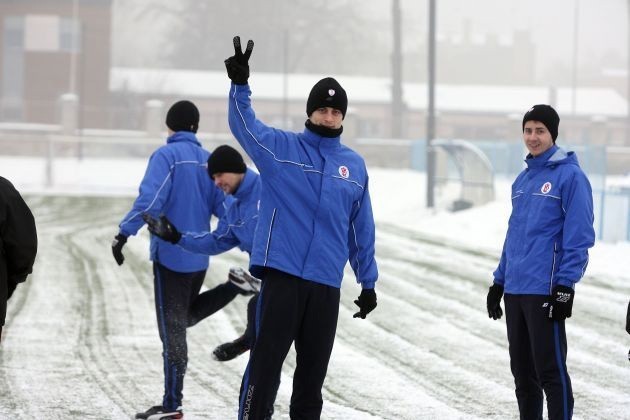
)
(500, 99)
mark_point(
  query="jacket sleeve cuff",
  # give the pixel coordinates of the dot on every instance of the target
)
(368, 284)
(565, 282)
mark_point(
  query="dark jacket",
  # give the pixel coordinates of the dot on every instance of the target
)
(18, 242)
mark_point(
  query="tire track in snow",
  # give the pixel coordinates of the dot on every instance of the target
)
(589, 343)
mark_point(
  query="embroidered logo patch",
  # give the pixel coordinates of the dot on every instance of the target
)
(331, 92)
(344, 172)
(545, 188)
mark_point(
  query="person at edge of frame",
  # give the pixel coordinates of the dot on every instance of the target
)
(544, 255)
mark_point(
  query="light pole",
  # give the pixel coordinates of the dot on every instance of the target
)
(397, 100)
(628, 83)
(576, 21)
(431, 107)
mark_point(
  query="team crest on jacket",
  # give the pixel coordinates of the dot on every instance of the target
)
(546, 187)
(344, 172)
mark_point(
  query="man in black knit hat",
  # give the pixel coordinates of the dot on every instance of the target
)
(544, 256)
(315, 216)
(241, 186)
(175, 184)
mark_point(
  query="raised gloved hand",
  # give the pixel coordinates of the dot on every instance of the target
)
(237, 66)
(561, 303)
(117, 245)
(366, 303)
(162, 228)
(493, 301)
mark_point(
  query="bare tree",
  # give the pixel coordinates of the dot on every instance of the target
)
(315, 36)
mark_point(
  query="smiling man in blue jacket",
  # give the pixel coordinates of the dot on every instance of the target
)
(315, 215)
(544, 255)
(235, 228)
(175, 184)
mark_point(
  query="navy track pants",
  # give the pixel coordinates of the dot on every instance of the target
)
(179, 305)
(290, 309)
(538, 354)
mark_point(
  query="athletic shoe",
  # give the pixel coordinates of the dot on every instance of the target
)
(244, 281)
(158, 412)
(231, 350)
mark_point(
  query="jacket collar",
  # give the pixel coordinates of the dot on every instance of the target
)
(183, 136)
(323, 144)
(247, 184)
(540, 160)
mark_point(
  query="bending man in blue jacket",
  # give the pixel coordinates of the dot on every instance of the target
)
(236, 227)
(544, 255)
(175, 184)
(315, 215)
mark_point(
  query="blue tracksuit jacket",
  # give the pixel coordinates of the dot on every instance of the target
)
(176, 184)
(315, 210)
(551, 226)
(236, 227)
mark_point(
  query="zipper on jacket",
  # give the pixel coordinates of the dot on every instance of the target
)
(273, 218)
(553, 266)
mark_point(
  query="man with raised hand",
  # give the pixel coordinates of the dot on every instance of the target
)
(315, 215)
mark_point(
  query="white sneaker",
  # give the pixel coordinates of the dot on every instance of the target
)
(244, 281)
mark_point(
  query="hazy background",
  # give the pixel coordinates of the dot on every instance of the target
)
(356, 37)
(86, 79)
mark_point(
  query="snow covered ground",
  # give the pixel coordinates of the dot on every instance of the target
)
(81, 338)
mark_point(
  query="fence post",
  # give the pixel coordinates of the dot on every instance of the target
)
(154, 121)
(69, 113)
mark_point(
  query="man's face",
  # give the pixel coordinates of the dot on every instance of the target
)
(327, 117)
(228, 182)
(537, 138)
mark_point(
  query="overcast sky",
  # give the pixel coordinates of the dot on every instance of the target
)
(602, 27)
(602, 24)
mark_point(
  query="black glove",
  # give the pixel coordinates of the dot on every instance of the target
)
(628, 321)
(366, 303)
(493, 301)
(561, 303)
(162, 228)
(236, 66)
(117, 245)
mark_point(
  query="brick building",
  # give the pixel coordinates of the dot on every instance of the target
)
(51, 48)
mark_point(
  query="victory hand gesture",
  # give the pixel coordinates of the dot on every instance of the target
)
(237, 66)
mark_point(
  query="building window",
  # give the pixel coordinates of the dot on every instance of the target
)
(70, 35)
(11, 107)
(50, 33)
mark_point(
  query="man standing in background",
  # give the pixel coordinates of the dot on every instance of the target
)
(544, 255)
(175, 184)
(18, 243)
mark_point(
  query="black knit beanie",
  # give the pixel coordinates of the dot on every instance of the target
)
(327, 93)
(183, 116)
(546, 115)
(226, 159)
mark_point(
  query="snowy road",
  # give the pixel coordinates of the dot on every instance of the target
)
(81, 338)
